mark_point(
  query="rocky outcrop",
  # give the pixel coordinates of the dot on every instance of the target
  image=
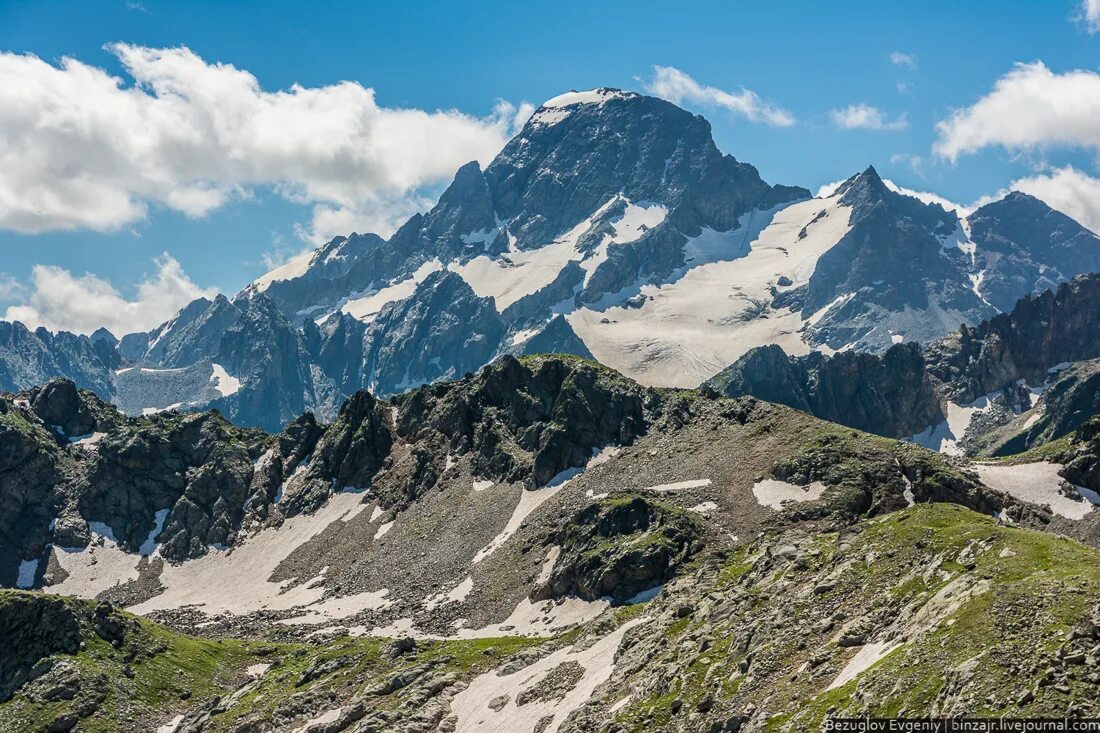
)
(891, 394)
(69, 411)
(196, 467)
(30, 358)
(348, 455)
(528, 420)
(617, 548)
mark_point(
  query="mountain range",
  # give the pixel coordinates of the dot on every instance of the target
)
(617, 437)
(611, 226)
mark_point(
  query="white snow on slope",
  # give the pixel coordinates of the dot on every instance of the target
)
(171, 725)
(223, 382)
(203, 582)
(945, 436)
(95, 568)
(688, 330)
(474, 714)
(867, 656)
(149, 546)
(292, 269)
(592, 96)
(367, 307)
(698, 483)
(1037, 483)
(777, 494)
(519, 273)
(87, 440)
(529, 501)
(27, 570)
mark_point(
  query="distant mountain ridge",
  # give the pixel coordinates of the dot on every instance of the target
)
(1024, 377)
(611, 226)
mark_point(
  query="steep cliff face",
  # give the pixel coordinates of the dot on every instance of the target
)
(891, 394)
(909, 388)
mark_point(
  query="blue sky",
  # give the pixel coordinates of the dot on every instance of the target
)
(813, 61)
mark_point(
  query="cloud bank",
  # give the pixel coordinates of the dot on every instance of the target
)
(61, 301)
(82, 149)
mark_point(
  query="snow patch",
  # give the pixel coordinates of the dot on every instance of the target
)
(705, 508)
(548, 565)
(171, 725)
(222, 381)
(776, 494)
(868, 656)
(471, 705)
(257, 670)
(368, 306)
(27, 570)
(1037, 483)
(529, 501)
(383, 529)
(149, 546)
(680, 486)
(644, 596)
(945, 436)
(245, 568)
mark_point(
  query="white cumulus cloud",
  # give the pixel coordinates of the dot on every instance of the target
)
(82, 149)
(1089, 14)
(1029, 107)
(62, 301)
(865, 117)
(671, 84)
(908, 60)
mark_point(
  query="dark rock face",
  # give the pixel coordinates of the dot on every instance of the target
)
(557, 337)
(1028, 248)
(33, 358)
(890, 394)
(31, 470)
(279, 380)
(530, 420)
(619, 548)
(554, 175)
(32, 627)
(1071, 398)
(196, 466)
(351, 451)
(1081, 458)
(892, 262)
(442, 331)
(59, 404)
